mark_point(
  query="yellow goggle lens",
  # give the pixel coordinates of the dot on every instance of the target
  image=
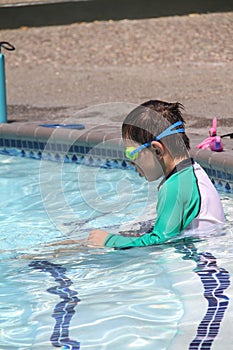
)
(128, 152)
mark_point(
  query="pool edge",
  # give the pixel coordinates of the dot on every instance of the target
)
(103, 142)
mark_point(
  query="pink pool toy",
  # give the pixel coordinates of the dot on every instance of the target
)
(213, 142)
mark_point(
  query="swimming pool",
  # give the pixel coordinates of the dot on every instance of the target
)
(174, 296)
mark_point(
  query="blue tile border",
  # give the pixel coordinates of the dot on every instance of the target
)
(77, 158)
(90, 147)
(220, 179)
(218, 166)
(104, 158)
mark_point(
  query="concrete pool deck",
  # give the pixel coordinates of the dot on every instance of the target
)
(57, 71)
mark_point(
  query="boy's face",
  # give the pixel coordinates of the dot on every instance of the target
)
(147, 165)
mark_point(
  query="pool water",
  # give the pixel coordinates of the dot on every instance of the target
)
(173, 296)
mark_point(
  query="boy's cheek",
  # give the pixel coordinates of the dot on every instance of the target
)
(153, 173)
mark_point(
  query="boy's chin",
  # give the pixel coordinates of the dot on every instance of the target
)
(149, 179)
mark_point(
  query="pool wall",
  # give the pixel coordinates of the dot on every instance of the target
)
(100, 146)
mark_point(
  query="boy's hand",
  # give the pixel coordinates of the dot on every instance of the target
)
(96, 238)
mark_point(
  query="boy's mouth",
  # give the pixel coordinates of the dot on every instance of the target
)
(140, 172)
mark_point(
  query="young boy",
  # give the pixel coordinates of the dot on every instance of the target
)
(157, 146)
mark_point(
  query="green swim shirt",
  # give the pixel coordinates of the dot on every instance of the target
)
(178, 204)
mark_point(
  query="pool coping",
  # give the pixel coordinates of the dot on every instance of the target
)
(101, 142)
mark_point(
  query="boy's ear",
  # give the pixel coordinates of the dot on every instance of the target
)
(158, 148)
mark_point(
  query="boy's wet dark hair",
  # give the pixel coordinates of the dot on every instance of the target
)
(151, 118)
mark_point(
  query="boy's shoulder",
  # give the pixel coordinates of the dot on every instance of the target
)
(182, 174)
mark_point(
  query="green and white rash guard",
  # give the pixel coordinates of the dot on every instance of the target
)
(187, 199)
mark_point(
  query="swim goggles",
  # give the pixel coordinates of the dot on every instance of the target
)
(132, 152)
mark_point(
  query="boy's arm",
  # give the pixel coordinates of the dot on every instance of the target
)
(118, 241)
(178, 204)
(160, 234)
(168, 224)
(98, 238)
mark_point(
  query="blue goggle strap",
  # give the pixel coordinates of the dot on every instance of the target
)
(166, 132)
(170, 131)
(140, 148)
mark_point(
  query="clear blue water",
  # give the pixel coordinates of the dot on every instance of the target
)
(74, 297)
